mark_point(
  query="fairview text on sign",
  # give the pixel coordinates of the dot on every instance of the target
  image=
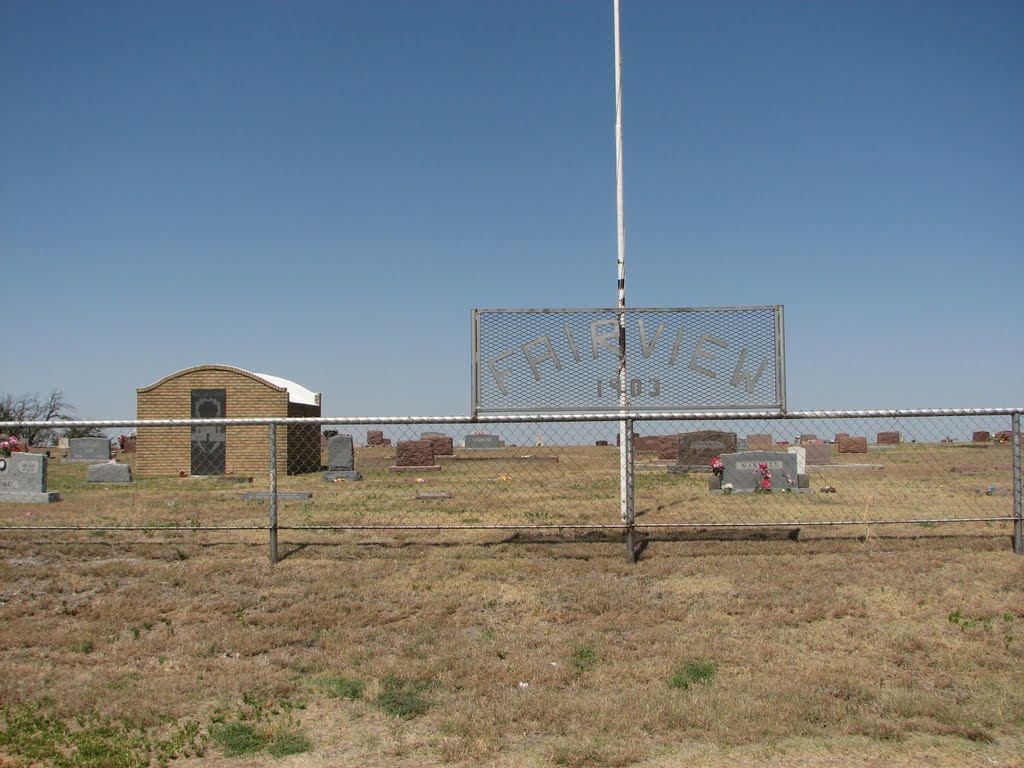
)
(548, 359)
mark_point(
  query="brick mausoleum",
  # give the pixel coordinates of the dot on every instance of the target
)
(223, 391)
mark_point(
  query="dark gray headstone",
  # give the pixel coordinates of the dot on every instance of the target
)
(23, 478)
(340, 453)
(697, 449)
(485, 442)
(742, 470)
(108, 473)
(88, 449)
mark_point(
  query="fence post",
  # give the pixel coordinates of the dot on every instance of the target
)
(1018, 519)
(273, 493)
(626, 496)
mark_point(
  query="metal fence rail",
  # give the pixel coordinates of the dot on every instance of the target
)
(553, 472)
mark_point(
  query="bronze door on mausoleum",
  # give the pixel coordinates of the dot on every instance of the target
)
(209, 442)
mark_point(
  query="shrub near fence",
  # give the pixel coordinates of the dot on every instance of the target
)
(563, 472)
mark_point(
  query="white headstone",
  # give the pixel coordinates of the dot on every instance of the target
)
(801, 458)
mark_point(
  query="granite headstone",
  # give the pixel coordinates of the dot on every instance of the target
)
(482, 442)
(742, 471)
(341, 459)
(801, 457)
(853, 444)
(819, 453)
(88, 449)
(23, 479)
(444, 445)
(697, 449)
(888, 438)
(414, 454)
(108, 472)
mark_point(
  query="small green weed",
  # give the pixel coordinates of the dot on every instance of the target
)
(403, 698)
(86, 646)
(584, 658)
(339, 687)
(693, 671)
(238, 738)
(286, 742)
(1005, 620)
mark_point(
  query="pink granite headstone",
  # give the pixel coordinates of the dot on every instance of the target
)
(853, 445)
(414, 453)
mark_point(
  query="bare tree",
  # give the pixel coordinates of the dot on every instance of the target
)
(31, 407)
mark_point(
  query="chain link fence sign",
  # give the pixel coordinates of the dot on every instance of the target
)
(567, 360)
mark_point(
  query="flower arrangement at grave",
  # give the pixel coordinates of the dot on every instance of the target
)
(9, 445)
(765, 484)
(828, 489)
(789, 479)
(716, 466)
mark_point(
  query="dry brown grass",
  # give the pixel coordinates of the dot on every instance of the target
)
(833, 649)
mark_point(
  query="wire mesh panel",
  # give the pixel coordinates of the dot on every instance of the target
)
(825, 470)
(676, 359)
(462, 475)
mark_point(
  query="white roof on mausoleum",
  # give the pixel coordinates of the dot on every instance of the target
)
(296, 392)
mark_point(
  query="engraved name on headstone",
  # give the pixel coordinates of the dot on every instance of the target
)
(23, 479)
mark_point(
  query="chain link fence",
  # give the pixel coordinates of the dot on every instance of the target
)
(560, 472)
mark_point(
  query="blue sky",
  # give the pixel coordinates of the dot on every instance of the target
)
(324, 190)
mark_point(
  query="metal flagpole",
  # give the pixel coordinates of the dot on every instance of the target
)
(625, 425)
